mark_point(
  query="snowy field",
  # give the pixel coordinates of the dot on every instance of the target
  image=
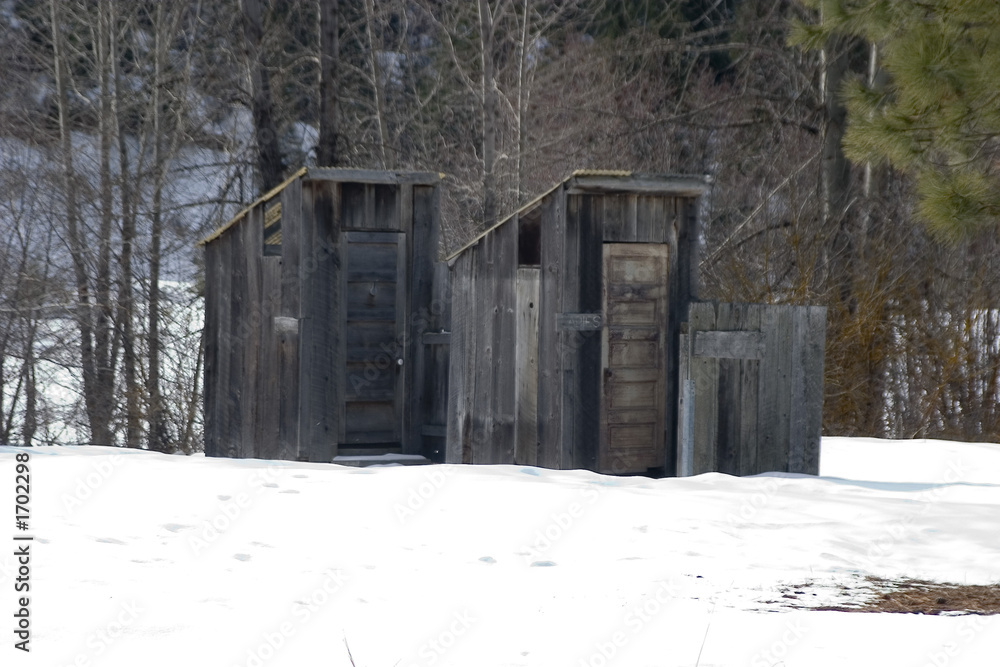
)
(145, 559)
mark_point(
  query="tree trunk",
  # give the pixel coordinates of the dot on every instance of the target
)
(329, 56)
(490, 115)
(269, 162)
(97, 418)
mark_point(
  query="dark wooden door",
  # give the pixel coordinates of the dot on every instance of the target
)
(633, 351)
(374, 315)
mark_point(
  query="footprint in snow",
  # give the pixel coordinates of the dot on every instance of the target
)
(642, 529)
(175, 527)
(301, 476)
(288, 491)
(223, 497)
(488, 559)
(110, 540)
(543, 563)
(242, 557)
(270, 485)
(531, 471)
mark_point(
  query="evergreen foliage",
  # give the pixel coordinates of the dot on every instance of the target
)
(933, 111)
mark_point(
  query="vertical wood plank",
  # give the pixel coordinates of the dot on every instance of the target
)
(589, 273)
(212, 336)
(705, 374)
(630, 204)
(577, 208)
(526, 351)
(549, 359)
(288, 338)
(504, 432)
(267, 414)
(482, 406)
(239, 327)
(225, 326)
(461, 365)
(729, 318)
(805, 428)
(645, 216)
(417, 217)
(252, 233)
(750, 382)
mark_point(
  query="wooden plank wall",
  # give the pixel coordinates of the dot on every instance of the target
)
(320, 329)
(550, 359)
(757, 408)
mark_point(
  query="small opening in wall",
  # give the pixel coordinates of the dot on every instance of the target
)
(529, 238)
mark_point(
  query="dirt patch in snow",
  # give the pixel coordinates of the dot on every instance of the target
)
(906, 596)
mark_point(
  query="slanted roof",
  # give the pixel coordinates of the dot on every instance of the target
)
(333, 174)
(592, 181)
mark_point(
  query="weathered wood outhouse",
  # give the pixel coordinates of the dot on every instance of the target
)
(565, 324)
(325, 304)
(571, 345)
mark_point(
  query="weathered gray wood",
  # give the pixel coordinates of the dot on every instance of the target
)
(705, 374)
(633, 350)
(526, 364)
(352, 206)
(687, 186)
(252, 232)
(267, 412)
(730, 318)
(550, 379)
(224, 245)
(386, 213)
(372, 176)
(462, 344)
(504, 432)
(685, 411)
(613, 216)
(579, 321)
(646, 217)
(589, 343)
(239, 328)
(772, 452)
(414, 216)
(750, 386)
(729, 344)
(436, 338)
(320, 276)
(482, 397)
(211, 334)
(805, 427)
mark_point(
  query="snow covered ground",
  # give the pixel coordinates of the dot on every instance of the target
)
(145, 559)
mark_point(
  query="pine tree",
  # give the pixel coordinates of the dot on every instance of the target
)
(934, 113)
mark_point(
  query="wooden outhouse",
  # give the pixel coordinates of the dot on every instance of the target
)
(578, 341)
(565, 326)
(325, 307)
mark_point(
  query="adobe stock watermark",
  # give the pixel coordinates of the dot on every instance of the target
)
(560, 524)
(776, 652)
(86, 486)
(232, 509)
(435, 479)
(634, 622)
(271, 642)
(100, 641)
(969, 628)
(435, 647)
(753, 503)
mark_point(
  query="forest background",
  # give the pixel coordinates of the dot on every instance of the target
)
(130, 130)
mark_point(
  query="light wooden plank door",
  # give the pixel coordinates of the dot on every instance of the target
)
(374, 308)
(633, 351)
